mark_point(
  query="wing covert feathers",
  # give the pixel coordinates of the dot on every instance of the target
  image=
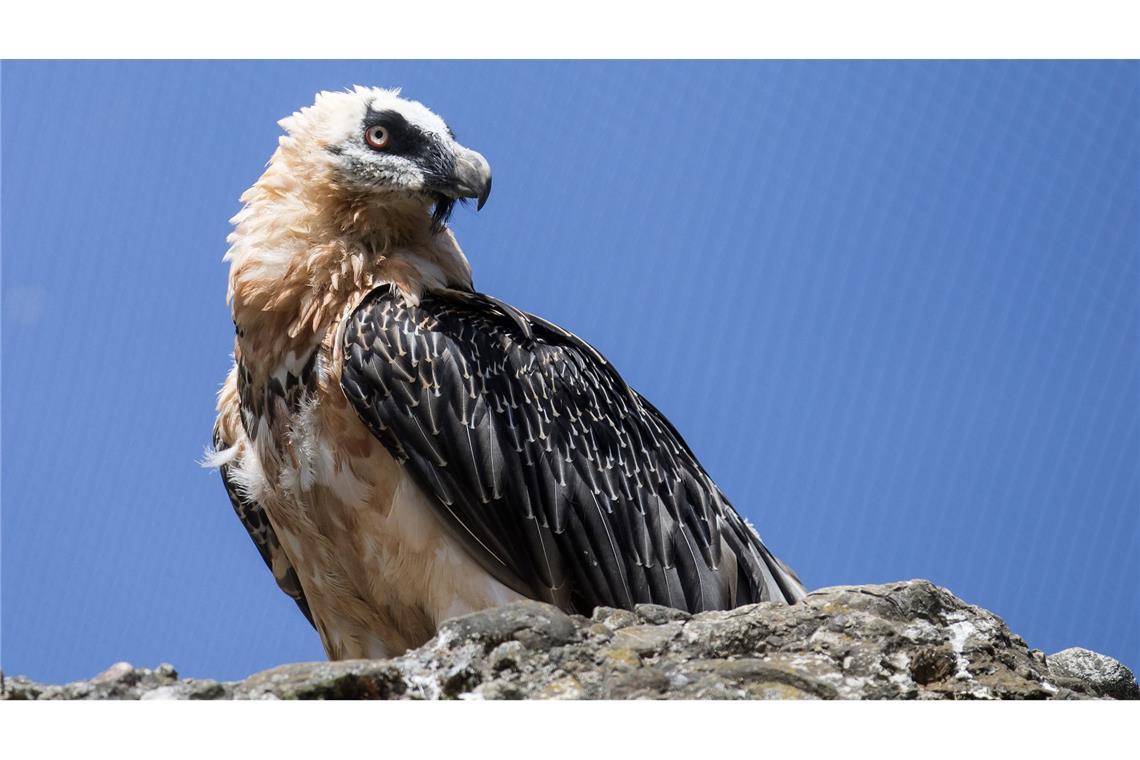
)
(563, 482)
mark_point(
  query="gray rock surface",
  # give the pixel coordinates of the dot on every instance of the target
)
(1102, 675)
(909, 640)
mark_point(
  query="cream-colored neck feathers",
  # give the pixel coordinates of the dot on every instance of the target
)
(305, 247)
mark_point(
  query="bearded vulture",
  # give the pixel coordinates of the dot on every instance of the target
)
(404, 449)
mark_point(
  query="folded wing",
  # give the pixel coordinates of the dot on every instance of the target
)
(563, 482)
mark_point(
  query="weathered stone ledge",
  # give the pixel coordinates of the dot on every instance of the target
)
(909, 640)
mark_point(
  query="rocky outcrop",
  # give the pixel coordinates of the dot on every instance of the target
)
(909, 640)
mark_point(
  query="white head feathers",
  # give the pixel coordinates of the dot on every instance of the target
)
(336, 116)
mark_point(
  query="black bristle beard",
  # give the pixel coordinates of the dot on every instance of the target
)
(442, 212)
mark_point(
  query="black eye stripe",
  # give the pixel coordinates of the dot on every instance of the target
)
(426, 149)
(403, 138)
(393, 121)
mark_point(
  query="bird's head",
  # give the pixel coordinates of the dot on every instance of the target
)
(384, 149)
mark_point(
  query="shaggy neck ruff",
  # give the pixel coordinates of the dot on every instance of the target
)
(305, 248)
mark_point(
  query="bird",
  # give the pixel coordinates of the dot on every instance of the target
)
(404, 449)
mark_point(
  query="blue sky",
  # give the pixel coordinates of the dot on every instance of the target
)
(891, 306)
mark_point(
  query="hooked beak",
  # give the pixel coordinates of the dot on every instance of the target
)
(470, 177)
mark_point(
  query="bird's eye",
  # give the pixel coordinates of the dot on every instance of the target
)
(376, 137)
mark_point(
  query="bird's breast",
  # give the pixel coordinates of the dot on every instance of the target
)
(377, 564)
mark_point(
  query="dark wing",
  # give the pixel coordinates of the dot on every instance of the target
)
(566, 484)
(256, 522)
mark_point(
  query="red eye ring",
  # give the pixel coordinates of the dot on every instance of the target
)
(376, 137)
